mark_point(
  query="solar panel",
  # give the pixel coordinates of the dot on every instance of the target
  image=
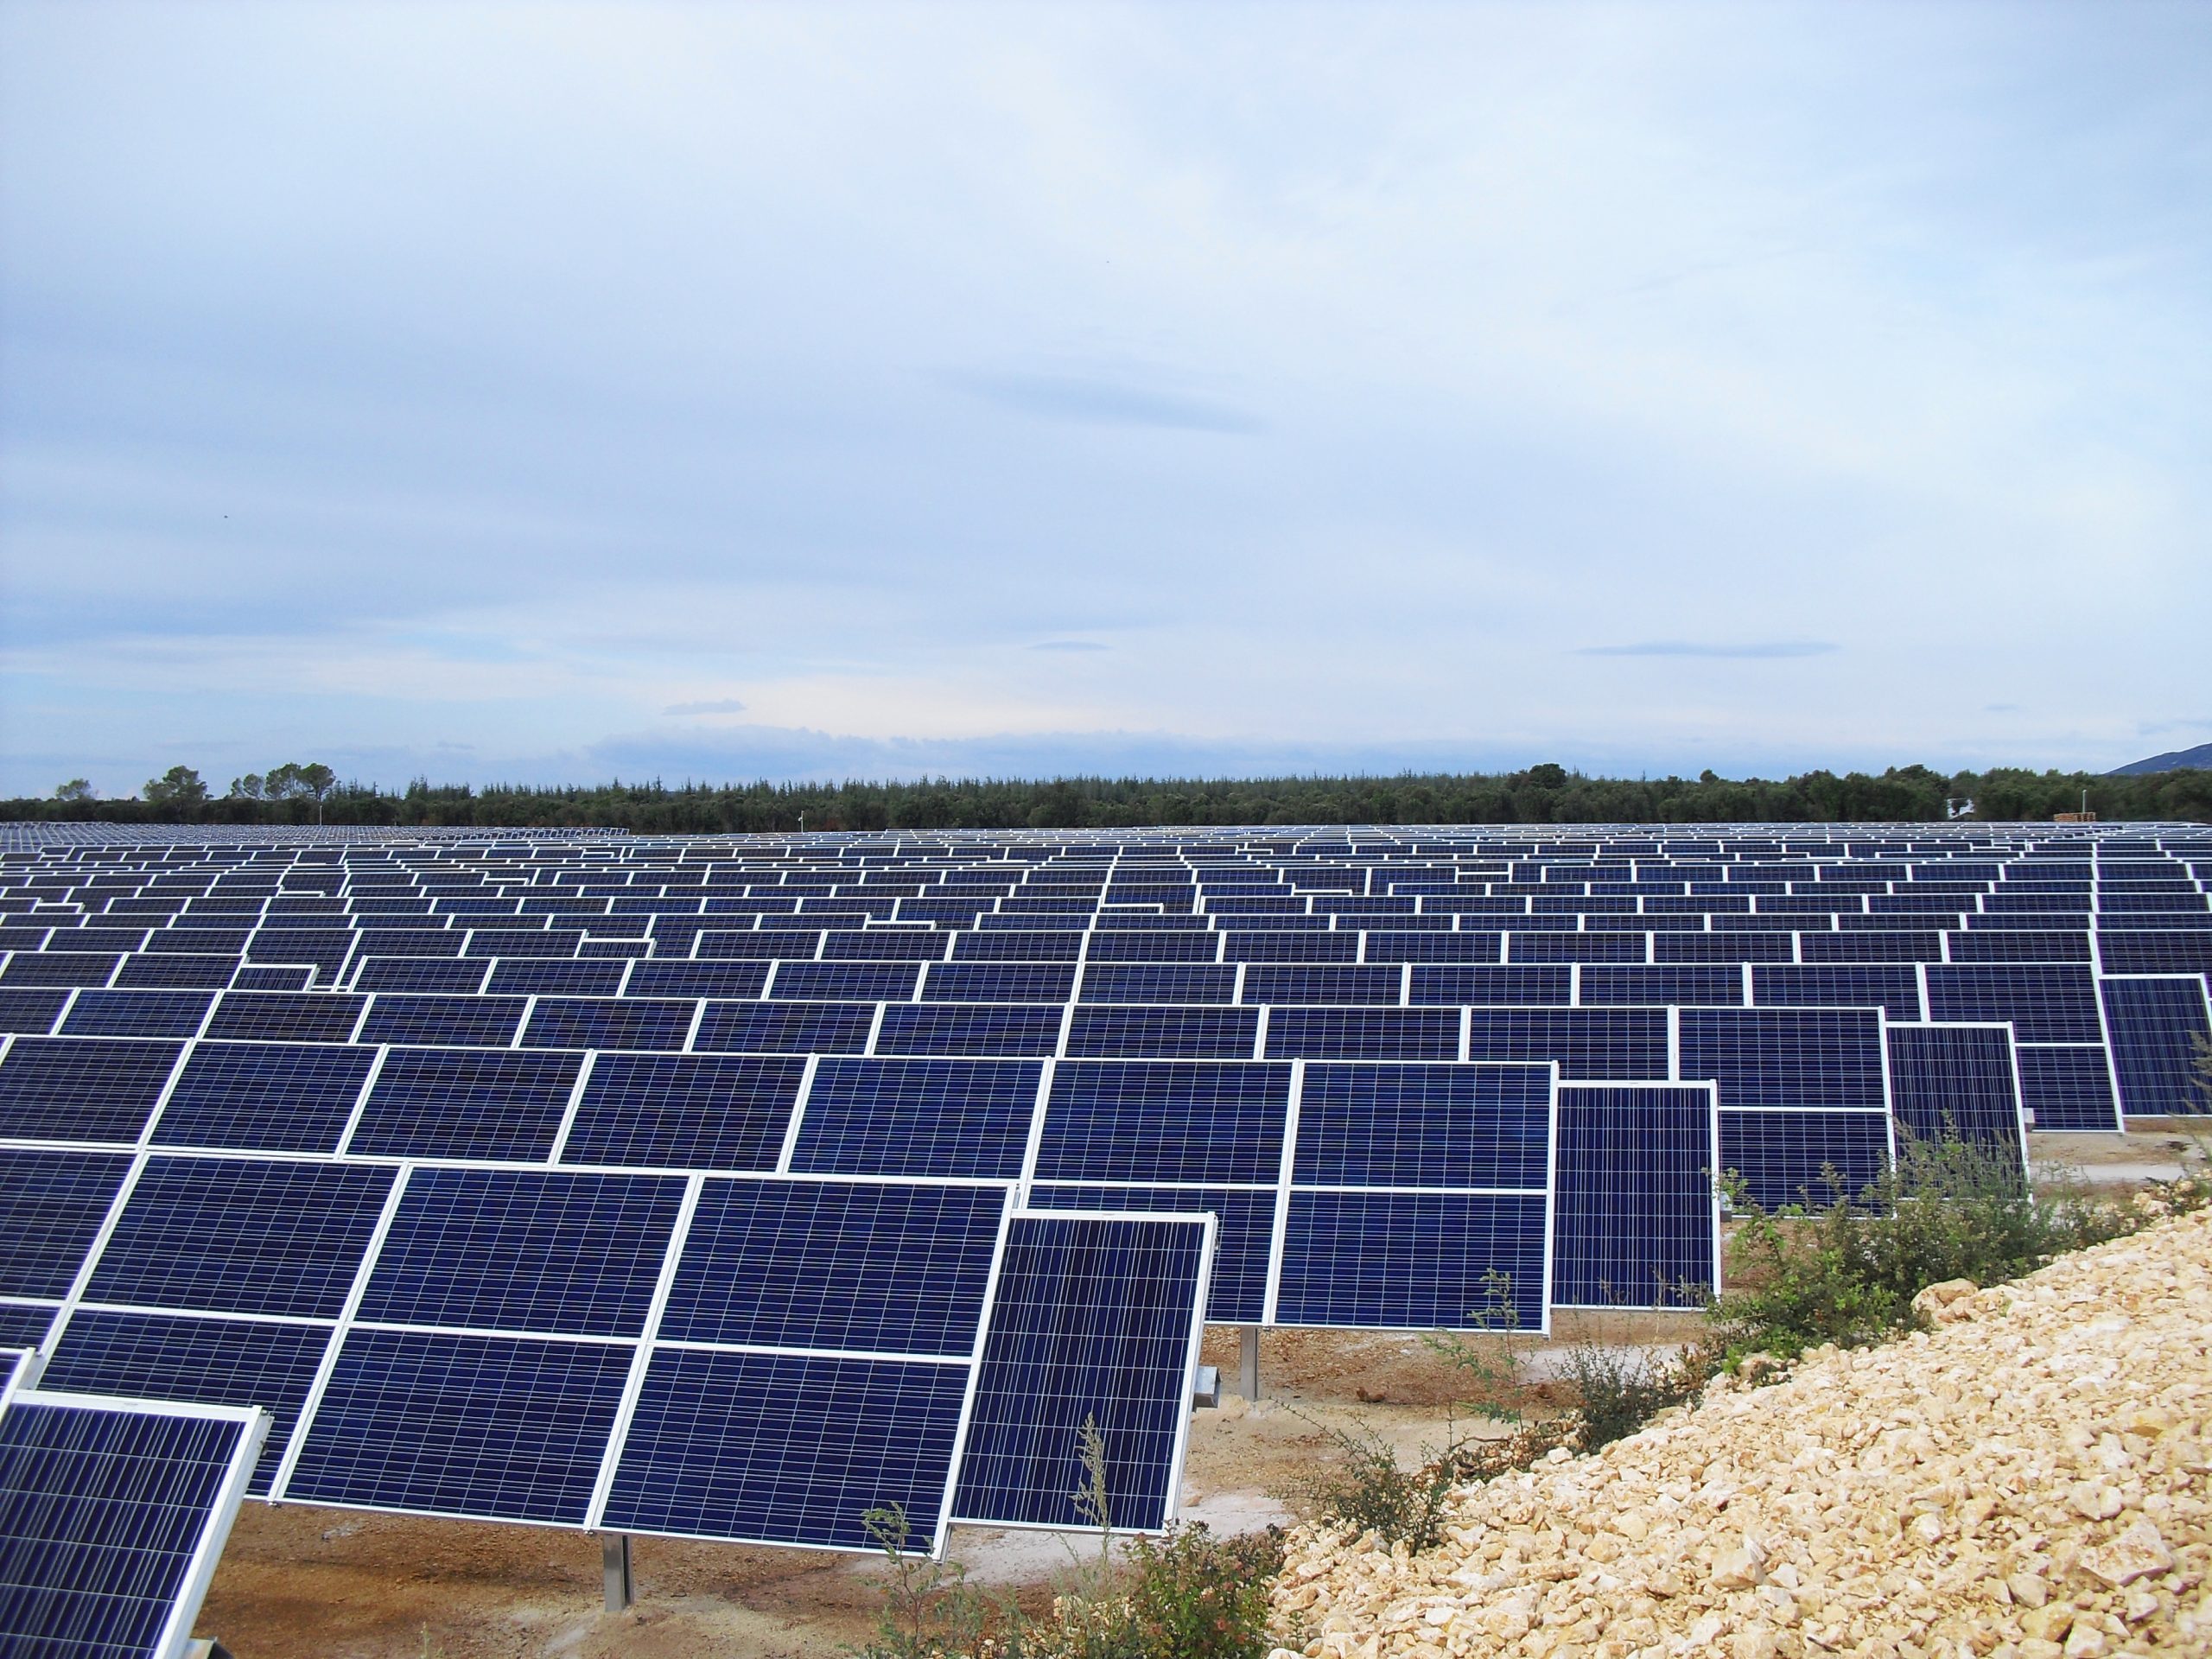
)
(1501, 986)
(52, 1206)
(424, 973)
(1120, 1031)
(465, 1102)
(2156, 951)
(276, 1016)
(1153, 1121)
(111, 1516)
(1158, 982)
(511, 977)
(791, 1028)
(264, 1096)
(1782, 1155)
(1891, 987)
(1956, 1082)
(25, 1324)
(490, 1021)
(1415, 1260)
(1787, 1059)
(2045, 1004)
(1425, 1126)
(497, 1427)
(859, 1268)
(2160, 1027)
(2067, 1087)
(910, 1116)
(1344, 1033)
(787, 1448)
(1706, 984)
(685, 1111)
(32, 1011)
(270, 1364)
(1591, 1045)
(136, 1014)
(1636, 1217)
(570, 1252)
(981, 1028)
(1244, 1240)
(1095, 1326)
(697, 979)
(82, 1088)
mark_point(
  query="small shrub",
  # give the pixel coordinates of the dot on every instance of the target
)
(1617, 1390)
(1366, 1489)
(929, 1610)
(1197, 1596)
(1491, 1358)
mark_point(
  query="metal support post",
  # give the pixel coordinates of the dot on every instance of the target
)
(1248, 1369)
(614, 1554)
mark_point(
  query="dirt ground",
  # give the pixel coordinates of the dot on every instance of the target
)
(323, 1584)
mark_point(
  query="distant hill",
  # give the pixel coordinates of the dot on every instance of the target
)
(2178, 760)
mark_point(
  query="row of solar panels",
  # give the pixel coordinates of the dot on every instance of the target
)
(112, 1515)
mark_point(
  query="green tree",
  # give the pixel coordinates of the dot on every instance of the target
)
(178, 786)
(75, 790)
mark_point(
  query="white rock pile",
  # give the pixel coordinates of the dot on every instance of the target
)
(2028, 1480)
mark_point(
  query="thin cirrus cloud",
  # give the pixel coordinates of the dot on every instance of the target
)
(714, 705)
(1094, 402)
(1762, 648)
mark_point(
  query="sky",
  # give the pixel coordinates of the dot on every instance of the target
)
(551, 394)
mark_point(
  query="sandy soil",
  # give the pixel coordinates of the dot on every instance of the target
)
(322, 1584)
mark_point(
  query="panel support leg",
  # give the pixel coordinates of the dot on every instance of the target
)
(614, 1554)
(1248, 1367)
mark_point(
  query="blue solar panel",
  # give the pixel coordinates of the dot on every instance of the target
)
(426, 974)
(1578, 947)
(276, 1016)
(1731, 946)
(2159, 950)
(608, 1022)
(58, 968)
(1243, 1245)
(789, 1028)
(787, 1449)
(524, 1250)
(24, 1325)
(264, 1096)
(1505, 987)
(488, 1021)
(1300, 945)
(110, 1522)
(505, 1427)
(1781, 1155)
(52, 1204)
(1870, 946)
(832, 981)
(1707, 984)
(1955, 1082)
(685, 1111)
(1892, 987)
(2055, 1003)
(1164, 1121)
(554, 978)
(1323, 983)
(1184, 1031)
(1413, 1261)
(1095, 1322)
(999, 981)
(1480, 952)
(210, 973)
(1824, 1058)
(264, 976)
(465, 1102)
(997, 945)
(2020, 945)
(136, 1014)
(987, 1028)
(1479, 1126)
(216, 1361)
(873, 1267)
(241, 1235)
(910, 1116)
(1593, 1045)
(32, 1011)
(1635, 1219)
(1158, 982)
(1125, 946)
(1363, 1034)
(2069, 1087)
(695, 979)
(82, 1088)
(2160, 1028)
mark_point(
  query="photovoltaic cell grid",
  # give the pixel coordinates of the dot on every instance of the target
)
(1637, 1216)
(111, 1516)
(275, 1073)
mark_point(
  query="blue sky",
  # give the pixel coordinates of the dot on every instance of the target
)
(549, 393)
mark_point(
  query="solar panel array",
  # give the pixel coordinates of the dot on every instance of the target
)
(594, 1180)
(112, 1514)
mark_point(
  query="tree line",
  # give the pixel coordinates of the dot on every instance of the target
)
(1541, 794)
